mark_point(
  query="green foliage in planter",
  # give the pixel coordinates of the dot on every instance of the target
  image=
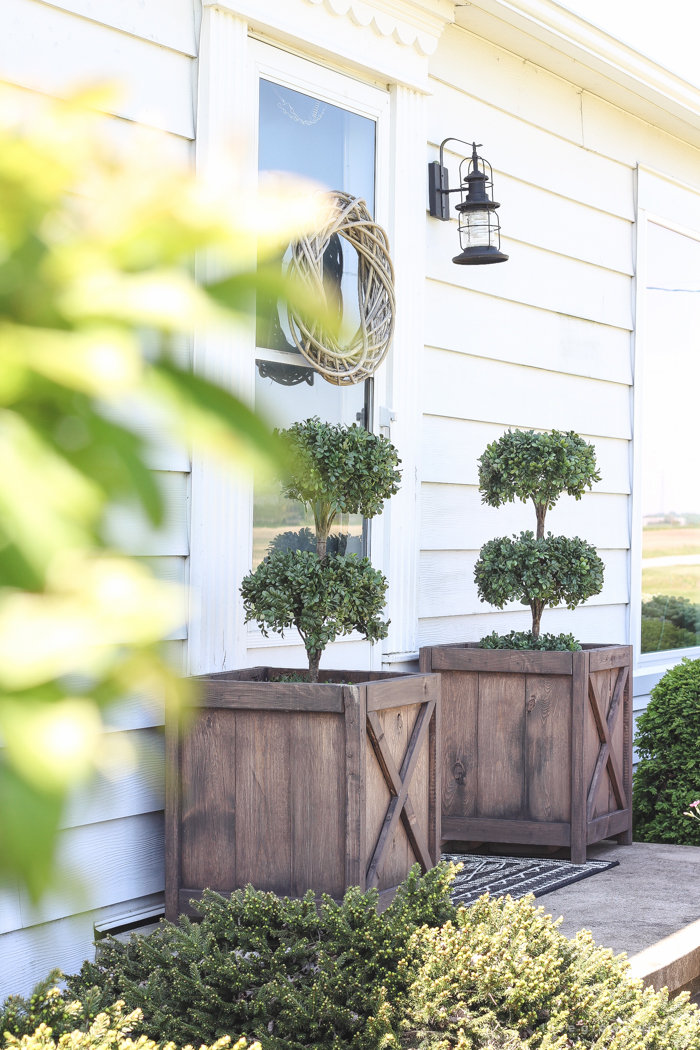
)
(524, 640)
(284, 971)
(335, 470)
(338, 469)
(501, 976)
(536, 570)
(667, 778)
(524, 464)
(322, 598)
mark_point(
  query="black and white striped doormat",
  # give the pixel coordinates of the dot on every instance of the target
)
(516, 876)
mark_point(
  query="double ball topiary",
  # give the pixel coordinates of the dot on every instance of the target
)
(537, 570)
(335, 470)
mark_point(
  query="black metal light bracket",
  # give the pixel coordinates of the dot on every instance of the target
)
(474, 189)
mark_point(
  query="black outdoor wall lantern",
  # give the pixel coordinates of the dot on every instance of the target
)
(479, 226)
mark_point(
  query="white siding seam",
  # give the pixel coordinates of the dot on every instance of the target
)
(548, 131)
(525, 302)
(114, 29)
(552, 251)
(517, 364)
(581, 91)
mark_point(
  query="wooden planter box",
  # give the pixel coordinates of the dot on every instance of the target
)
(536, 746)
(293, 787)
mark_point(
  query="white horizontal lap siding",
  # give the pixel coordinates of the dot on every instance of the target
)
(451, 449)
(547, 102)
(132, 790)
(27, 955)
(535, 277)
(447, 586)
(167, 22)
(52, 50)
(129, 527)
(484, 325)
(466, 387)
(588, 623)
(530, 154)
(100, 864)
(453, 518)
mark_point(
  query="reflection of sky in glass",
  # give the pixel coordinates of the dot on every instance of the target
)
(301, 134)
(671, 479)
(334, 147)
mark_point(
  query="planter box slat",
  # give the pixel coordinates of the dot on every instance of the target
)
(537, 746)
(451, 658)
(483, 829)
(277, 696)
(278, 785)
(414, 691)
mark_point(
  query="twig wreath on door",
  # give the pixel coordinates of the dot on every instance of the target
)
(348, 217)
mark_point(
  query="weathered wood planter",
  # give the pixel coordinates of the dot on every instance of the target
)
(536, 746)
(293, 787)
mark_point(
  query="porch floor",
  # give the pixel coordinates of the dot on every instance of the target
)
(654, 892)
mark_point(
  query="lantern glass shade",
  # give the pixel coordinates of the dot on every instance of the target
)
(478, 228)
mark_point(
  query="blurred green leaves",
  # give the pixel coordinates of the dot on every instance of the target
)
(97, 245)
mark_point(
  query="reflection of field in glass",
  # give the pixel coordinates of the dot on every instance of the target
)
(660, 541)
(681, 581)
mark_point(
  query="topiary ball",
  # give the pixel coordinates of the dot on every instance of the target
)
(667, 778)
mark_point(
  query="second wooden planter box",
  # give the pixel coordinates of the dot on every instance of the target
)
(294, 786)
(537, 746)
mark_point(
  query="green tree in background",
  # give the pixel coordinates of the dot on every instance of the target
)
(96, 249)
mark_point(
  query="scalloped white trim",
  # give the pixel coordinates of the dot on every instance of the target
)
(383, 23)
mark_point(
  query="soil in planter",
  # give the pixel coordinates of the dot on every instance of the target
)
(287, 678)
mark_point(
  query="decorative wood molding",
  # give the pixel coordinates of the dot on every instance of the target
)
(411, 23)
(388, 40)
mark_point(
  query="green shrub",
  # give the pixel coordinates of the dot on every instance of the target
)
(273, 969)
(501, 976)
(667, 777)
(421, 975)
(110, 1030)
(322, 598)
(524, 640)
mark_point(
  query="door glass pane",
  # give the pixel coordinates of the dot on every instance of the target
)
(336, 148)
(671, 480)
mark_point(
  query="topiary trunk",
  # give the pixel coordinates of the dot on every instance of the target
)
(314, 661)
(537, 610)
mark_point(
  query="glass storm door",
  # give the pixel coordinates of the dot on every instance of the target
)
(335, 147)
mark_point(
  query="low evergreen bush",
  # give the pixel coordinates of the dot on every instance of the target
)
(110, 1030)
(502, 976)
(667, 777)
(282, 971)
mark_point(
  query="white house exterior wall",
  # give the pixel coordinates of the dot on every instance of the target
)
(546, 340)
(111, 844)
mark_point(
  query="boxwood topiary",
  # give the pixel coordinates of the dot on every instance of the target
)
(537, 570)
(667, 777)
